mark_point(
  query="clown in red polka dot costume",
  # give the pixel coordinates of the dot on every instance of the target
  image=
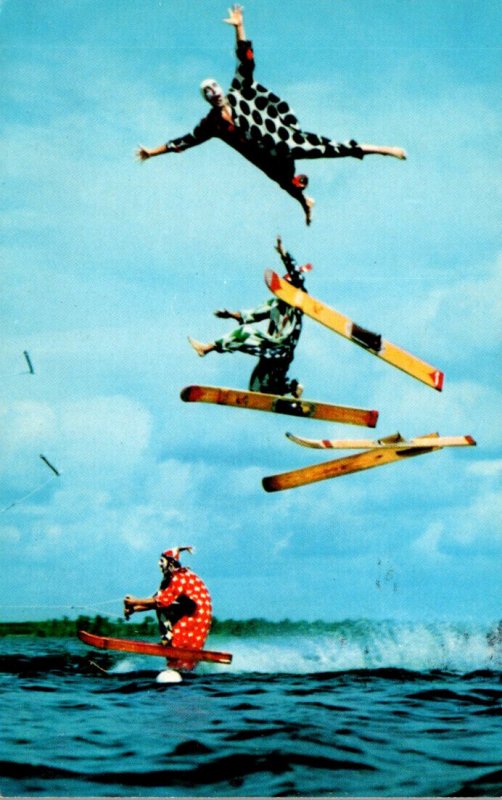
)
(262, 127)
(182, 605)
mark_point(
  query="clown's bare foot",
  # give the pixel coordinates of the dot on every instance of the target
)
(396, 152)
(200, 348)
(383, 150)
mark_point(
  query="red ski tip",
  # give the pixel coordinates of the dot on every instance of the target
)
(471, 440)
(272, 280)
(437, 379)
(372, 419)
(190, 393)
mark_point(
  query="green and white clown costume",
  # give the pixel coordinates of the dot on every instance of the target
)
(274, 347)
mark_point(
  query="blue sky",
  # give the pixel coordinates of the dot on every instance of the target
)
(109, 265)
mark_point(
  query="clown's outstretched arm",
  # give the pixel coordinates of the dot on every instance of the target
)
(286, 258)
(200, 134)
(142, 153)
(224, 313)
(236, 18)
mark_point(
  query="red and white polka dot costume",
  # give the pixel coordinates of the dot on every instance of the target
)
(190, 631)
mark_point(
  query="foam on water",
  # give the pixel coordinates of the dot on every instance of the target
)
(367, 645)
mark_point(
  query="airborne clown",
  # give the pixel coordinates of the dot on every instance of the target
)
(262, 127)
(275, 347)
(182, 604)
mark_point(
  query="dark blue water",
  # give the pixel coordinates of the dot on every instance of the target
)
(83, 723)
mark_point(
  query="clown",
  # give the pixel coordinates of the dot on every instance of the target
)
(182, 605)
(275, 348)
(262, 127)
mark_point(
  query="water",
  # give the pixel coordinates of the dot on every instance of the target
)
(353, 709)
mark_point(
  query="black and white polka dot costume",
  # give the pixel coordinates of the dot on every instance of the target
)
(264, 129)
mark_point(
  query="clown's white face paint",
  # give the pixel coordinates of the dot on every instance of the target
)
(212, 92)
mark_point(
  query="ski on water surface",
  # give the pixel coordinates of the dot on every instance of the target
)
(152, 649)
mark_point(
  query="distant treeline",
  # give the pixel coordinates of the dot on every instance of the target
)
(147, 628)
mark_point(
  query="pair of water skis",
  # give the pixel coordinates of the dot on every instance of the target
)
(171, 654)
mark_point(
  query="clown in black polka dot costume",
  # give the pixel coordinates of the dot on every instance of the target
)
(182, 605)
(262, 127)
(274, 347)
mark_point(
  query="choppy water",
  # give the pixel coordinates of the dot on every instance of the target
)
(357, 710)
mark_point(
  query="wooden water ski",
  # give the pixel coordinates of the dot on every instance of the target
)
(373, 342)
(395, 441)
(151, 649)
(376, 457)
(277, 404)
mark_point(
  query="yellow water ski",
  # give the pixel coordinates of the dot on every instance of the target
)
(259, 401)
(375, 457)
(373, 342)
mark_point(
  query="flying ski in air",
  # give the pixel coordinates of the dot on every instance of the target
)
(262, 127)
(375, 454)
(339, 323)
(259, 401)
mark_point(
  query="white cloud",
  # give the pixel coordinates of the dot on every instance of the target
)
(113, 428)
(26, 422)
(486, 469)
(9, 535)
(145, 527)
(428, 543)
(480, 522)
(104, 436)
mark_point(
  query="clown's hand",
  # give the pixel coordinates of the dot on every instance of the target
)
(222, 313)
(142, 153)
(128, 606)
(235, 15)
(279, 247)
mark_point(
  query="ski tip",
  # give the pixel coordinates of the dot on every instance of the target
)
(470, 440)
(84, 636)
(272, 280)
(372, 419)
(189, 393)
(437, 378)
(268, 484)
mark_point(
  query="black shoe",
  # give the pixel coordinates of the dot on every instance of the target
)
(167, 634)
(296, 389)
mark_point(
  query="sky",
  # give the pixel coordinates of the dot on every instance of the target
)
(109, 265)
